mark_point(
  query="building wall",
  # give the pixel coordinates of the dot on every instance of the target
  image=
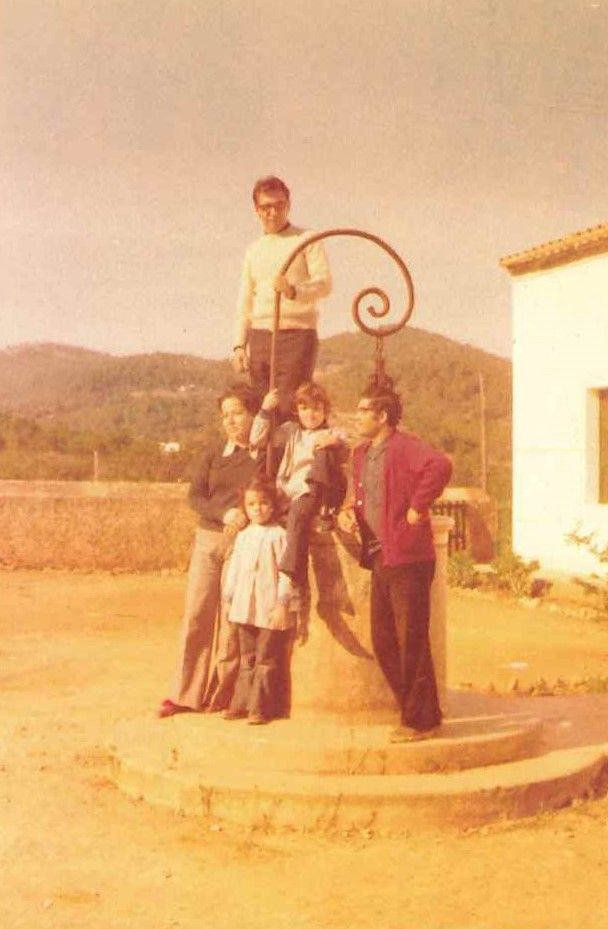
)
(560, 357)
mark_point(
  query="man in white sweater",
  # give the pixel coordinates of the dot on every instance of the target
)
(307, 280)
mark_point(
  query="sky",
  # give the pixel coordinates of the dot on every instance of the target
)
(132, 131)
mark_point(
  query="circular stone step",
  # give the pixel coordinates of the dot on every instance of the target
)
(330, 746)
(322, 775)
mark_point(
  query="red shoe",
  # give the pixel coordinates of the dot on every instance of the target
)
(169, 708)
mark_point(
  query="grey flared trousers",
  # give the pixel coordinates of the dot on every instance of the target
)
(208, 658)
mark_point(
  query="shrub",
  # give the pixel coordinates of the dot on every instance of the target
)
(461, 570)
(512, 574)
(596, 585)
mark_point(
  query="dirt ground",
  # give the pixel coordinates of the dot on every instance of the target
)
(80, 652)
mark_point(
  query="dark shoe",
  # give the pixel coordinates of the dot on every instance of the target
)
(169, 708)
(408, 734)
(254, 719)
(234, 714)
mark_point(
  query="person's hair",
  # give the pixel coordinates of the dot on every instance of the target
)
(383, 399)
(268, 185)
(249, 397)
(312, 394)
(266, 488)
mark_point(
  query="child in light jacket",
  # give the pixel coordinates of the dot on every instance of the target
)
(309, 473)
(259, 600)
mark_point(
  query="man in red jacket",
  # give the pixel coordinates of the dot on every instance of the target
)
(397, 477)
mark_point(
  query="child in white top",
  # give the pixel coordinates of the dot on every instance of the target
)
(309, 473)
(258, 599)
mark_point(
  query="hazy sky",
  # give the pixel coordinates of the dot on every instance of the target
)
(131, 132)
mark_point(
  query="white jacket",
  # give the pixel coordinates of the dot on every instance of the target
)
(253, 584)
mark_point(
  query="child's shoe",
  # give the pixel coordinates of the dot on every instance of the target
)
(256, 719)
(234, 714)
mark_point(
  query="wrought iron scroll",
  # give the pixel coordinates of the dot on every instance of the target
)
(379, 332)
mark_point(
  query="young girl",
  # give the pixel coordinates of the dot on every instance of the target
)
(309, 473)
(258, 600)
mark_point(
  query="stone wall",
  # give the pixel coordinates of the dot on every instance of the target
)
(122, 526)
(91, 526)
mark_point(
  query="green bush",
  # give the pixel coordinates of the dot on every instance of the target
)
(461, 571)
(512, 574)
(596, 585)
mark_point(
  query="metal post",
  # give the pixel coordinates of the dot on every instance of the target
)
(379, 332)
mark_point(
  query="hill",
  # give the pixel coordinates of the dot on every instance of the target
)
(439, 382)
(60, 403)
(47, 380)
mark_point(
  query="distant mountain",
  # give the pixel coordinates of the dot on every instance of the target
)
(46, 377)
(62, 402)
(438, 380)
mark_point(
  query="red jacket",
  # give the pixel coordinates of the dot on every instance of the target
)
(415, 474)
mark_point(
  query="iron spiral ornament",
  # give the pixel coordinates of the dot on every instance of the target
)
(374, 311)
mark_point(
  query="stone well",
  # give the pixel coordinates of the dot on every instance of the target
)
(335, 672)
(331, 765)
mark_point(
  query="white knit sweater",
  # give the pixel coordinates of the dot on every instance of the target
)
(309, 274)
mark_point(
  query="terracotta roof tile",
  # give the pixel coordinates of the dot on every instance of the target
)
(572, 247)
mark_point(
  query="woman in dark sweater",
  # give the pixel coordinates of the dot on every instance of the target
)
(205, 674)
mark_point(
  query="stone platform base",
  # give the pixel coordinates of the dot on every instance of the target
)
(325, 773)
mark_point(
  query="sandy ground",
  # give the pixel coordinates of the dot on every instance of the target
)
(78, 653)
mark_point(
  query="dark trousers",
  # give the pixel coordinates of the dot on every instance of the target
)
(327, 486)
(259, 688)
(300, 515)
(400, 614)
(296, 353)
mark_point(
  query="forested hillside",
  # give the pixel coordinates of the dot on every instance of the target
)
(59, 404)
(438, 380)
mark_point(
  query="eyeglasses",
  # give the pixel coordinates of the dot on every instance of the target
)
(278, 205)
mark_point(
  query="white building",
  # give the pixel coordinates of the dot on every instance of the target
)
(560, 398)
